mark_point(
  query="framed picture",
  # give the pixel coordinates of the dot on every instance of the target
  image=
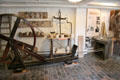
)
(98, 18)
(47, 23)
(34, 15)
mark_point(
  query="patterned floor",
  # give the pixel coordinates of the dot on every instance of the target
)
(88, 68)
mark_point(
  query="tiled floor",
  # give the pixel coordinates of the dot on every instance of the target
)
(88, 68)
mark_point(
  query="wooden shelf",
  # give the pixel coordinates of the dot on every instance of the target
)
(3, 45)
(65, 38)
(29, 36)
(6, 33)
(4, 28)
(39, 19)
(5, 22)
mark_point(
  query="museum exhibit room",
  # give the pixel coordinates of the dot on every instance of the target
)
(59, 39)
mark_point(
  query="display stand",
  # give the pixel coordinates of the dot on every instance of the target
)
(51, 45)
(60, 19)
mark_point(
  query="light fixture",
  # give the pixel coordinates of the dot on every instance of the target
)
(74, 1)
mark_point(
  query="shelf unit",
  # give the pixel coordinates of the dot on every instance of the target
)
(5, 28)
(102, 48)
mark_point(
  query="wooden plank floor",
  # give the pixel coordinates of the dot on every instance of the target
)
(89, 68)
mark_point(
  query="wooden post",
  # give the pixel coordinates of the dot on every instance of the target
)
(0, 31)
(51, 48)
(80, 46)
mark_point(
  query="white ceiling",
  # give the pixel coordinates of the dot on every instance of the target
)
(56, 0)
(59, 2)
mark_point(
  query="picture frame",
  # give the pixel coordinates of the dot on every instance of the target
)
(47, 23)
(34, 15)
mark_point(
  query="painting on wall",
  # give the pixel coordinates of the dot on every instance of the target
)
(93, 22)
(47, 23)
(115, 23)
(36, 19)
(34, 15)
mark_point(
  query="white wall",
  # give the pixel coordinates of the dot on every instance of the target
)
(81, 23)
(76, 15)
(43, 44)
